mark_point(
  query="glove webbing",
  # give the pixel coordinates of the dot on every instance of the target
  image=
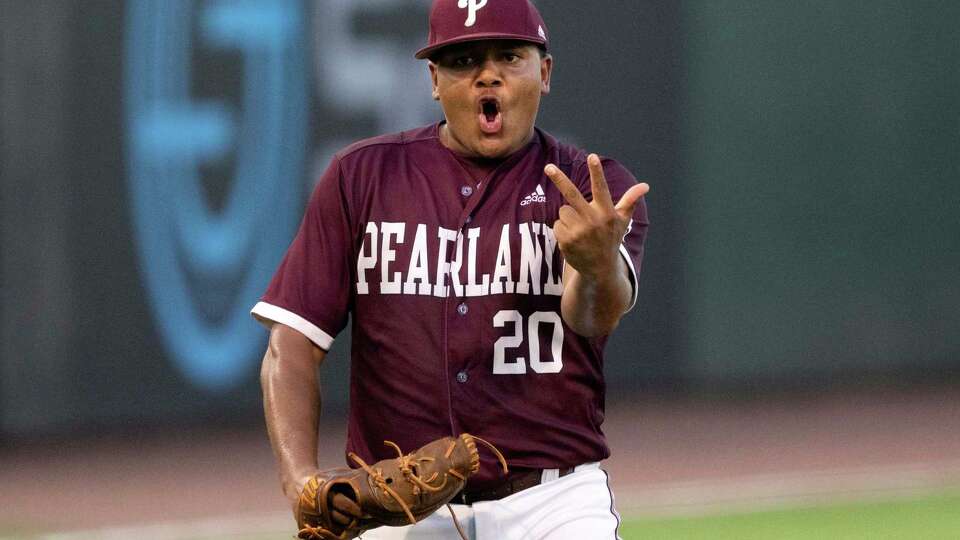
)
(406, 467)
(503, 463)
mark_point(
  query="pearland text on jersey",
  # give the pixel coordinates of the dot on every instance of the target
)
(439, 272)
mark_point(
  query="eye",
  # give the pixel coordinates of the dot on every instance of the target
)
(463, 61)
(511, 57)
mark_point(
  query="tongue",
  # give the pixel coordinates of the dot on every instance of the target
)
(491, 124)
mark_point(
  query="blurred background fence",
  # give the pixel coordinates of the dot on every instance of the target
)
(156, 155)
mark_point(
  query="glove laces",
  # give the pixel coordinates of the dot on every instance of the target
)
(409, 467)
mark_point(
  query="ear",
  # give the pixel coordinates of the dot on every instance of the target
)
(546, 69)
(435, 93)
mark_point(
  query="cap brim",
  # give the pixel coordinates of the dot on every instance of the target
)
(426, 52)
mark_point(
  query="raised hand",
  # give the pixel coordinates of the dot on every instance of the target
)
(589, 233)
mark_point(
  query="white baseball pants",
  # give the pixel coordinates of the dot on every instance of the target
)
(578, 506)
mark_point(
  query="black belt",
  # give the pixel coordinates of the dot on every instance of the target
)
(516, 484)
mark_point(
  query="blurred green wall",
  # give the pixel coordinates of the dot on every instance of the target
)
(804, 160)
(821, 142)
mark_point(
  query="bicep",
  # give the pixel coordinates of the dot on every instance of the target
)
(289, 349)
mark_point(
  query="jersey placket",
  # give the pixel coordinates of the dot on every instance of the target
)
(461, 332)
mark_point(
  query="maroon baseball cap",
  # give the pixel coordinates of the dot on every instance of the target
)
(458, 21)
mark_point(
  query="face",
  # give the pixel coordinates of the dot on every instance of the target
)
(490, 94)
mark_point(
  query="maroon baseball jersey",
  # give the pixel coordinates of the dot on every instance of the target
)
(454, 286)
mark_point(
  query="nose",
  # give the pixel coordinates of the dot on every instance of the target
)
(489, 75)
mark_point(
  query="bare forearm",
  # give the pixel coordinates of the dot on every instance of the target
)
(291, 403)
(593, 306)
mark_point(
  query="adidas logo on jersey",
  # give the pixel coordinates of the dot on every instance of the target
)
(538, 196)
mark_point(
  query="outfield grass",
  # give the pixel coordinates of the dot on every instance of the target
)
(929, 518)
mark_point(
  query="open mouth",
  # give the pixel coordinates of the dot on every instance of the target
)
(491, 119)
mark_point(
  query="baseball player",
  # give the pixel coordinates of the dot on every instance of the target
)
(483, 264)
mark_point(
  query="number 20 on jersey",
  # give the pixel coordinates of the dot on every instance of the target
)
(519, 365)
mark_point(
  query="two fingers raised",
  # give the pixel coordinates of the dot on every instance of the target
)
(601, 191)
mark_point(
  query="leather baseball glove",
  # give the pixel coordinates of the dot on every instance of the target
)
(340, 504)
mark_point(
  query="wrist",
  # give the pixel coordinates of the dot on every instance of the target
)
(293, 484)
(602, 271)
(291, 490)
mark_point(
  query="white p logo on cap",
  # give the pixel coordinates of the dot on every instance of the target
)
(473, 6)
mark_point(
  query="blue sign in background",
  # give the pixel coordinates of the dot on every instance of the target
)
(204, 268)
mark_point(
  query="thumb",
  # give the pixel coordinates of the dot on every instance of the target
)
(629, 200)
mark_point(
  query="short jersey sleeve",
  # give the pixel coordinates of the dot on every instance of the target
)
(310, 290)
(619, 180)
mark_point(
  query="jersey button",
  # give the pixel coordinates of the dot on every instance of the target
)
(468, 219)
(466, 191)
(462, 309)
(462, 377)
